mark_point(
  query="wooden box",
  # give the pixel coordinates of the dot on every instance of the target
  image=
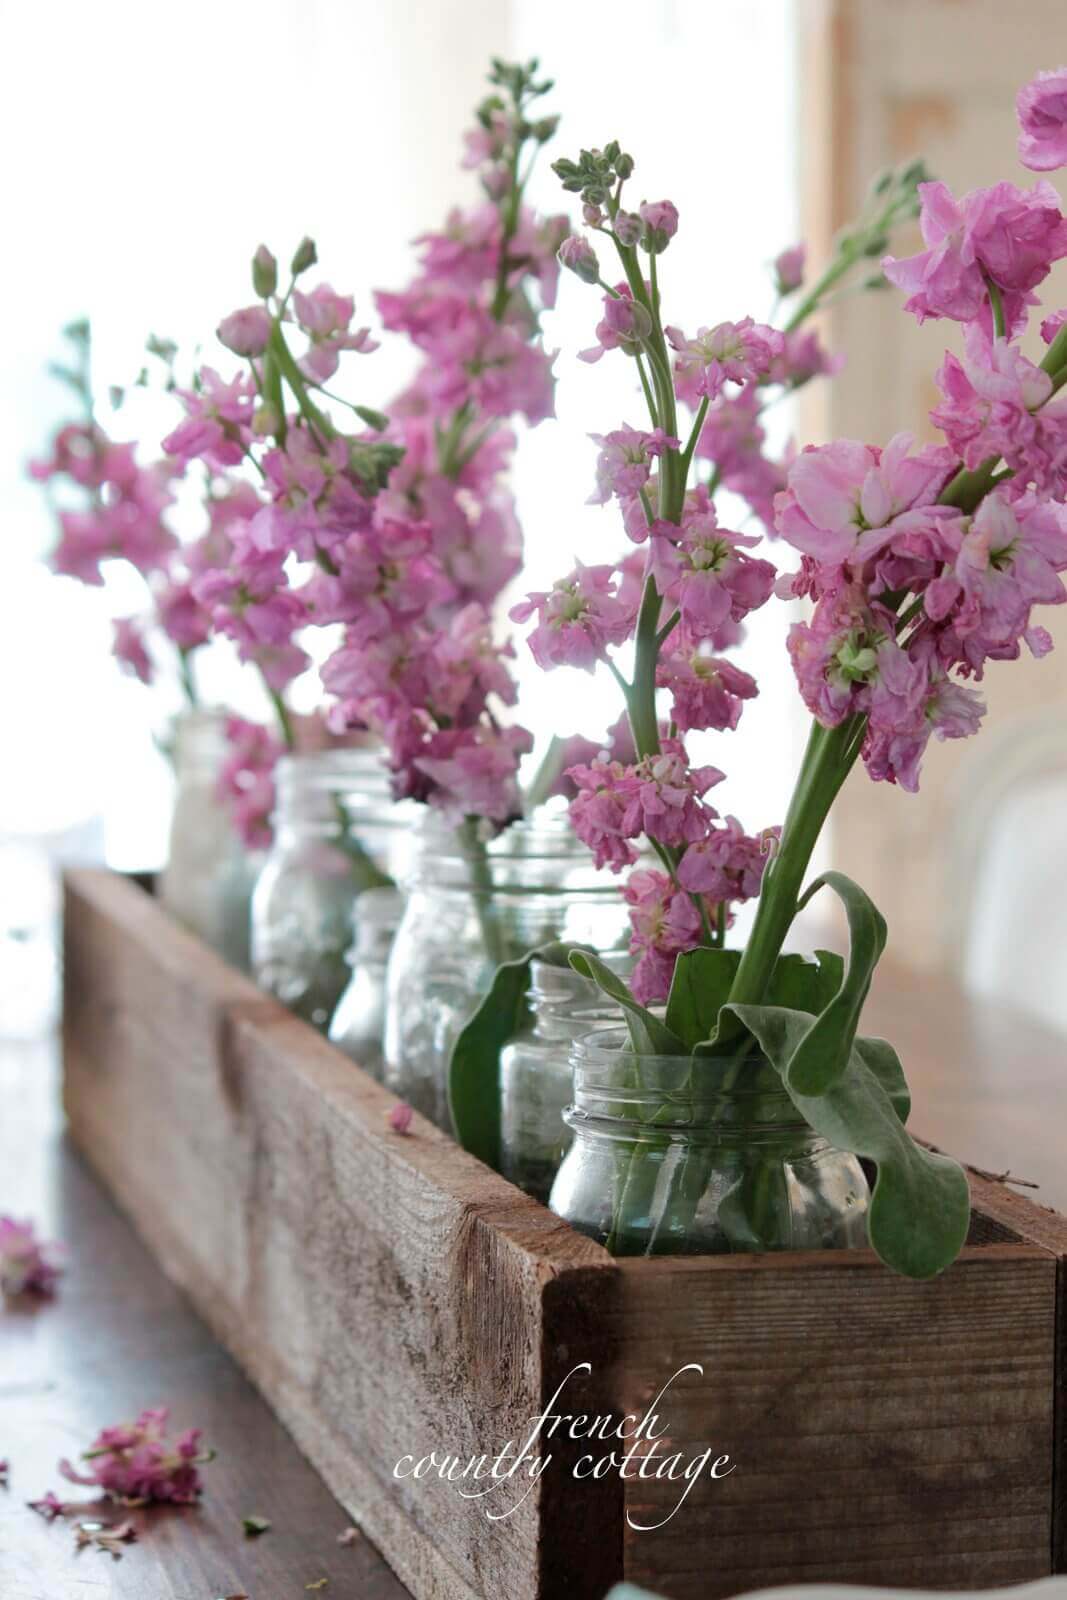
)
(392, 1298)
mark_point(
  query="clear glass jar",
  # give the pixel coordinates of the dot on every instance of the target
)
(472, 906)
(208, 880)
(679, 1155)
(536, 1077)
(337, 833)
(359, 1020)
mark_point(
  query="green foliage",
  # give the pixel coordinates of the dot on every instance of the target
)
(822, 1055)
(649, 1036)
(699, 990)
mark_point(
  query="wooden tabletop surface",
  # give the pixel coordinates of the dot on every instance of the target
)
(988, 1086)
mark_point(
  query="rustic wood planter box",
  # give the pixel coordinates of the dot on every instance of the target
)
(390, 1296)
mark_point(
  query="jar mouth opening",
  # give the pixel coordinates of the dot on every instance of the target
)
(607, 1065)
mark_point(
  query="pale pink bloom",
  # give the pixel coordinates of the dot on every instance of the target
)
(660, 218)
(245, 332)
(218, 420)
(1012, 235)
(136, 1461)
(577, 619)
(707, 690)
(624, 326)
(473, 771)
(843, 499)
(789, 268)
(50, 1506)
(706, 572)
(950, 711)
(1041, 107)
(625, 460)
(664, 796)
(664, 922)
(399, 1119)
(246, 781)
(847, 661)
(1052, 324)
(28, 1265)
(130, 649)
(181, 617)
(731, 352)
(601, 813)
(995, 405)
(728, 863)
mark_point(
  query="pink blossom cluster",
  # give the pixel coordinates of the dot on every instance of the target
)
(136, 1461)
(28, 1265)
(121, 517)
(246, 780)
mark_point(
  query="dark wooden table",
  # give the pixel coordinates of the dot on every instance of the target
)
(118, 1338)
(989, 1086)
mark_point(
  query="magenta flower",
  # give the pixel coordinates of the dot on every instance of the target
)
(660, 218)
(731, 352)
(473, 771)
(664, 797)
(399, 1117)
(625, 461)
(843, 499)
(1010, 235)
(245, 332)
(950, 711)
(728, 863)
(577, 619)
(246, 781)
(664, 922)
(218, 421)
(1041, 107)
(847, 661)
(136, 1461)
(601, 813)
(789, 268)
(28, 1265)
(130, 649)
(706, 572)
(707, 690)
(325, 316)
(49, 1506)
(624, 326)
(995, 405)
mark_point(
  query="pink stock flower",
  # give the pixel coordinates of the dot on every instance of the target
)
(843, 500)
(136, 1461)
(1009, 560)
(130, 649)
(727, 864)
(664, 797)
(789, 268)
(660, 218)
(601, 813)
(706, 572)
(624, 326)
(995, 405)
(49, 1506)
(579, 257)
(28, 1265)
(625, 461)
(1010, 235)
(218, 420)
(1041, 107)
(473, 772)
(731, 352)
(732, 438)
(664, 922)
(577, 619)
(325, 316)
(246, 781)
(707, 691)
(399, 1117)
(847, 662)
(950, 711)
(181, 617)
(245, 332)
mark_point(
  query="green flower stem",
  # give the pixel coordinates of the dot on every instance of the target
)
(188, 680)
(317, 420)
(476, 856)
(281, 711)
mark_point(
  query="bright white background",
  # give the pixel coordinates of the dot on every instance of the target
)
(144, 160)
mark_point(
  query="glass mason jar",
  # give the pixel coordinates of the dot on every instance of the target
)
(472, 906)
(208, 880)
(679, 1155)
(337, 833)
(536, 1077)
(359, 1020)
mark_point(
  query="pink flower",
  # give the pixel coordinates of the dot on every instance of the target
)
(28, 1265)
(601, 813)
(847, 662)
(130, 649)
(624, 326)
(660, 218)
(728, 863)
(473, 772)
(664, 797)
(732, 438)
(705, 571)
(843, 499)
(136, 1461)
(950, 711)
(245, 332)
(734, 352)
(625, 461)
(400, 1115)
(577, 619)
(325, 316)
(708, 691)
(579, 257)
(246, 781)
(1012, 235)
(218, 420)
(789, 268)
(995, 405)
(1041, 107)
(50, 1506)
(663, 923)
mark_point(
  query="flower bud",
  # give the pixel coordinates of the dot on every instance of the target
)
(592, 215)
(264, 272)
(578, 255)
(624, 166)
(627, 226)
(789, 269)
(265, 421)
(245, 332)
(660, 218)
(306, 256)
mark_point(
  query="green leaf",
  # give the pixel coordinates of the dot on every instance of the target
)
(803, 985)
(699, 990)
(920, 1204)
(648, 1035)
(253, 1526)
(474, 1066)
(880, 1058)
(822, 1055)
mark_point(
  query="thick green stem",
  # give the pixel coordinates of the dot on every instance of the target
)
(285, 721)
(477, 859)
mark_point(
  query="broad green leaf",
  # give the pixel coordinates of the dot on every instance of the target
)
(920, 1204)
(822, 1055)
(648, 1035)
(803, 985)
(754, 1212)
(474, 1066)
(699, 990)
(881, 1059)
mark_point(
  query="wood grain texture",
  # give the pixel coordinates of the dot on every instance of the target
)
(388, 1294)
(391, 1296)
